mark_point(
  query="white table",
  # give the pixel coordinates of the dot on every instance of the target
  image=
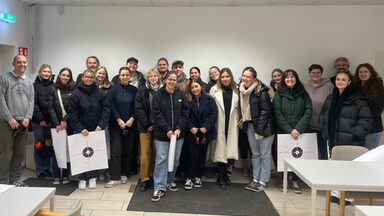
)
(369, 210)
(25, 201)
(334, 175)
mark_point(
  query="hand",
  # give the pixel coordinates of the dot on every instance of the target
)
(169, 134)
(84, 132)
(258, 137)
(203, 130)
(58, 128)
(150, 129)
(193, 130)
(26, 122)
(13, 123)
(98, 128)
(63, 125)
(43, 124)
(295, 134)
(177, 132)
(121, 123)
(130, 121)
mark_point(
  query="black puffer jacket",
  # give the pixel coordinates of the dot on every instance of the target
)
(170, 112)
(353, 122)
(45, 108)
(89, 108)
(261, 111)
(144, 115)
(65, 93)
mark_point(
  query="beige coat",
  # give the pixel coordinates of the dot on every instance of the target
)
(221, 150)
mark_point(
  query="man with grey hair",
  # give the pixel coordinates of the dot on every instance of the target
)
(16, 110)
(341, 63)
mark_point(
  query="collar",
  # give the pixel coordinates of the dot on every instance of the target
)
(14, 74)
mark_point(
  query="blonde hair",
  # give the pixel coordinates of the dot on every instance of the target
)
(106, 83)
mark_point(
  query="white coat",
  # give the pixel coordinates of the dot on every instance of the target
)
(221, 150)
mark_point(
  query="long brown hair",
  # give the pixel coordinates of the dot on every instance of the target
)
(233, 83)
(71, 83)
(106, 83)
(372, 86)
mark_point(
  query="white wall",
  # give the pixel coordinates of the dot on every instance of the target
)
(13, 34)
(235, 37)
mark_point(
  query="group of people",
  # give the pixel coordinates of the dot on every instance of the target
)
(147, 111)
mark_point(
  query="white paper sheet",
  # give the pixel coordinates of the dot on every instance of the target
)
(88, 152)
(171, 153)
(5, 187)
(376, 154)
(59, 141)
(305, 147)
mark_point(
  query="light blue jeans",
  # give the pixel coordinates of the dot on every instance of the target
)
(261, 155)
(161, 176)
(372, 140)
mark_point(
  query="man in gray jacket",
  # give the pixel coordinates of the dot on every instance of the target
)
(16, 110)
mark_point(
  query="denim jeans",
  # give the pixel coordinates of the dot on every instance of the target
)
(161, 176)
(373, 140)
(41, 133)
(261, 154)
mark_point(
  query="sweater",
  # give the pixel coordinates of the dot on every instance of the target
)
(318, 94)
(16, 97)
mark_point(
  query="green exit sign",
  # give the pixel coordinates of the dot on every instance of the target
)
(6, 17)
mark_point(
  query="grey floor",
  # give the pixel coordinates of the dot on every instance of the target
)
(103, 201)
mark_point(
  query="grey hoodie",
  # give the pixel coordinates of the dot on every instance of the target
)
(16, 97)
(318, 94)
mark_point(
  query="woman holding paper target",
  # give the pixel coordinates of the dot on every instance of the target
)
(64, 87)
(170, 110)
(88, 111)
(292, 107)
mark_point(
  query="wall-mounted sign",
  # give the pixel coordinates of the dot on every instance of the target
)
(6, 17)
(23, 51)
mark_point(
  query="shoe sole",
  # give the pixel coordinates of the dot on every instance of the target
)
(173, 190)
(188, 188)
(197, 186)
(252, 189)
(297, 192)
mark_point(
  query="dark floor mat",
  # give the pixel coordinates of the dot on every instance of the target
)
(209, 199)
(64, 190)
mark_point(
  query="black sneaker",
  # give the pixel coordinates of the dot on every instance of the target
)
(334, 199)
(296, 188)
(253, 186)
(143, 186)
(19, 183)
(172, 187)
(188, 184)
(156, 196)
(198, 183)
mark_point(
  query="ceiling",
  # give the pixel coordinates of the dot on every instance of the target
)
(200, 3)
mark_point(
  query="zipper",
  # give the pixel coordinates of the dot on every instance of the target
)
(172, 111)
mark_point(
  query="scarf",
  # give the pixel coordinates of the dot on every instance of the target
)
(244, 101)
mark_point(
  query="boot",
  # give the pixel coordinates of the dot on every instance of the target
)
(221, 180)
(227, 180)
(245, 167)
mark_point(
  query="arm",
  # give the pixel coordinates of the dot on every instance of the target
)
(303, 123)
(364, 119)
(106, 110)
(74, 113)
(281, 119)
(140, 109)
(4, 110)
(265, 107)
(184, 113)
(211, 120)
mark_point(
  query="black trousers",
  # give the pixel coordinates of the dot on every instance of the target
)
(122, 147)
(197, 153)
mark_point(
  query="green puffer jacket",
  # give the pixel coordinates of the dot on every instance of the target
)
(292, 110)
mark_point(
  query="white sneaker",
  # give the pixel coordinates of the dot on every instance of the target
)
(112, 184)
(124, 179)
(82, 184)
(92, 183)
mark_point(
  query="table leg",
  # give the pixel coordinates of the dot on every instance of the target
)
(285, 184)
(313, 194)
(52, 204)
(328, 203)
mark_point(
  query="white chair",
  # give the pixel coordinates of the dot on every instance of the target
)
(349, 153)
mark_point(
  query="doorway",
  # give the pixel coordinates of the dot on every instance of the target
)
(7, 53)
